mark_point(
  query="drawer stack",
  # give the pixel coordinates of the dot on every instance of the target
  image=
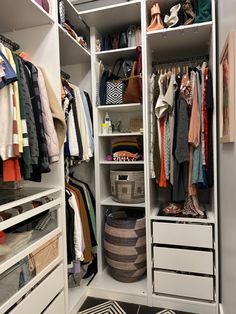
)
(183, 260)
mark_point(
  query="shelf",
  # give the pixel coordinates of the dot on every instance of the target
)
(73, 15)
(104, 281)
(110, 56)
(38, 238)
(120, 163)
(209, 220)
(121, 108)
(113, 17)
(193, 39)
(109, 202)
(71, 52)
(121, 134)
(76, 295)
(27, 14)
(22, 196)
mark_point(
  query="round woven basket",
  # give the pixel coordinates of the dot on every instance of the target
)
(125, 245)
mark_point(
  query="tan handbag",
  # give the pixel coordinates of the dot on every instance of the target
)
(132, 93)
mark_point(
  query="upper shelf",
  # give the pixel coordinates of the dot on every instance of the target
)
(71, 52)
(28, 14)
(121, 107)
(75, 19)
(192, 40)
(110, 56)
(113, 17)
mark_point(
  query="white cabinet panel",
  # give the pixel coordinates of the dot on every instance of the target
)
(183, 234)
(184, 285)
(183, 260)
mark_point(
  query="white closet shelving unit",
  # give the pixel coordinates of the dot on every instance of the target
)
(75, 60)
(36, 31)
(182, 253)
(172, 263)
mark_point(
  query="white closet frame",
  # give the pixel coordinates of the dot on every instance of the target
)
(48, 45)
(106, 19)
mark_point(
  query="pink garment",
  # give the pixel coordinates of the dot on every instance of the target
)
(50, 132)
(44, 4)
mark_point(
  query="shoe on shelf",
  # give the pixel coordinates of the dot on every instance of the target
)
(173, 19)
(156, 21)
(203, 11)
(188, 12)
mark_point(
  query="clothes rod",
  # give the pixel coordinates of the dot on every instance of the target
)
(181, 60)
(65, 75)
(10, 44)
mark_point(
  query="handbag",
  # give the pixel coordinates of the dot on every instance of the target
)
(123, 42)
(138, 40)
(115, 86)
(115, 40)
(103, 87)
(132, 93)
(131, 34)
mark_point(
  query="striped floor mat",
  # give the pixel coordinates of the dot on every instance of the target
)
(109, 307)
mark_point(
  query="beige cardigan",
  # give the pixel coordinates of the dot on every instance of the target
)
(57, 112)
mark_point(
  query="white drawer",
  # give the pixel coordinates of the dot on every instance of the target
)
(41, 296)
(183, 260)
(57, 306)
(183, 234)
(184, 285)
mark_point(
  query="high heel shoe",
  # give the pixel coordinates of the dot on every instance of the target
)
(173, 19)
(188, 12)
(156, 22)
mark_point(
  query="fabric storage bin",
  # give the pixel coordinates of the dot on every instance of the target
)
(125, 244)
(127, 186)
(45, 254)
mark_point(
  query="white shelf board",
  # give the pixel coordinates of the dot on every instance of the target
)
(22, 196)
(71, 52)
(121, 108)
(139, 162)
(27, 14)
(192, 39)
(110, 56)
(209, 220)
(39, 238)
(121, 134)
(76, 295)
(104, 281)
(109, 202)
(113, 17)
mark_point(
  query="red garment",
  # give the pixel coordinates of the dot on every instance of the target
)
(205, 117)
(11, 170)
(2, 237)
(162, 182)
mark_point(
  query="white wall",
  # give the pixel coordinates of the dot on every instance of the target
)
(227, 182)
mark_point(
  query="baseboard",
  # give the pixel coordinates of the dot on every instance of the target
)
(221, 309)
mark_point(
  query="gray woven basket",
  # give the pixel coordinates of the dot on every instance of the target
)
(125, 245)
(127, 186)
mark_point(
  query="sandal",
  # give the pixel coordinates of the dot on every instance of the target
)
(173, 19)
(172, 209)
(156, 22)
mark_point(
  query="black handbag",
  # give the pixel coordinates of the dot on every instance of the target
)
(123, 42)
(115, 86)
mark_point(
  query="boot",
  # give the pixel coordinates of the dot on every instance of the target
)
(156, 22)
(173, 19)
(203, 11)
(189, 14)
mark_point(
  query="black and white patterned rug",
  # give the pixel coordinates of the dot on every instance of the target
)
(112, 307)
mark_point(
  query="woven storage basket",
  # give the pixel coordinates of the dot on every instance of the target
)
(127, 186)
(125, 245)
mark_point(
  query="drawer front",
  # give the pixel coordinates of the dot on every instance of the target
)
(183, 234)
(183, 260)
(57, 306)
(184, 285)
(41, 296)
